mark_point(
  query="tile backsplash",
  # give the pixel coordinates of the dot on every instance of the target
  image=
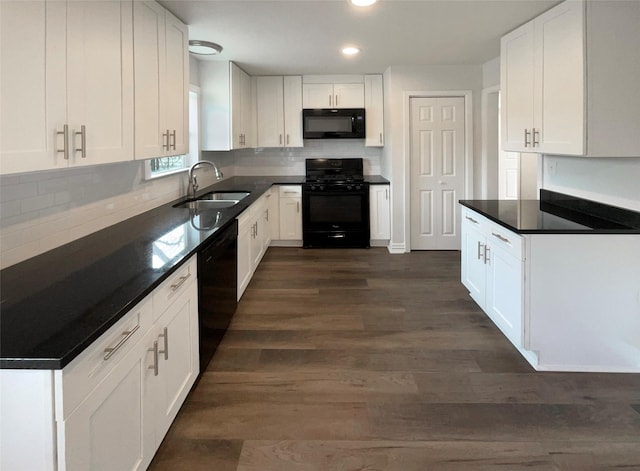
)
(40, 211)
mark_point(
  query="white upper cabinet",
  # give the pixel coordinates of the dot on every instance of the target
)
(227, 106)
(241, 109)
(374, 110)
(72, 102)
(279, 111)
(161, 81)
(328, 95)
(564, 90)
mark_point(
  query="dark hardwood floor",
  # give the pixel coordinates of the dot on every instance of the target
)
(360, 360)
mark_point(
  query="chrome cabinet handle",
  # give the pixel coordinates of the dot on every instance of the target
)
(126, 335)
(386, 194)
(503, 239)
(480, 246)
(155, 366)
(280, 139)
(527, 134)
(290, 192)
(486, 254)
(266, 214)
(297, 206)
(536, 138)
(83, 141)
(165, 140)
(287, 139)
(165, 335)
(177, 285)
(380, 138)
(173, 136)
(336, 100)
(330, 100)
(65, 143)
(471, 219)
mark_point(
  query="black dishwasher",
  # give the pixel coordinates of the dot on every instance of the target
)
(217, 288)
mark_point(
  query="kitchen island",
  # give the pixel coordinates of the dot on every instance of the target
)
(560, 277)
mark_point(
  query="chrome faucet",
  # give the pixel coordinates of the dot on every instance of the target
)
(192, 185)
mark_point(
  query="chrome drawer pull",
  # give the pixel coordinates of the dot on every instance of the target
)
(480, 246)
(65, 137)
(154, 367)
(471, 219)
(503, 239)
(83, 141)
(165, 336)
(126, 336)
(177, 285)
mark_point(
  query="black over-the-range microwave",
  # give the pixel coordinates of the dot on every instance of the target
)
(341, 123)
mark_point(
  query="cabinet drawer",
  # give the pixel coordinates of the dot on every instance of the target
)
(510, 242)
(82, 375)
(290, 191)
(171, 288)
(473, 219)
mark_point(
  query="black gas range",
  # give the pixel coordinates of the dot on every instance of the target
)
(335, 203)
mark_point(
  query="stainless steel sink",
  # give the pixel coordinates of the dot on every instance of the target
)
(224, 195)
(214, 200)
(207, 204)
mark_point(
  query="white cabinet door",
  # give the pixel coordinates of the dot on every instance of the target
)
(108, 430)
(273, 212)
(374, 110)
(150, 65)
(33, 91)
(517, 82)
(504, 293)
(245, 259)
(178, 365)
(348, 95)
(317, 95)
(474, 268)
(559, 89)
(267, 217)
(257, 237)
(270, 111)
(329, 95)
(291, 212)
(177, 85)
(100, 81)
(241, 110)
(379, 206)
(293, 111)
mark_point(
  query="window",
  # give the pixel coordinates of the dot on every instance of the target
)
(162, 166)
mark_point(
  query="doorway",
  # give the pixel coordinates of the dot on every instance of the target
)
(437, 171)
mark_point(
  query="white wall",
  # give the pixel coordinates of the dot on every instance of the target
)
(401, 79)
(614, 181)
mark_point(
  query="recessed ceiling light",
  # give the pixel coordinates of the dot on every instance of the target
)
(362, 3)
(204, 48)
(350, 51)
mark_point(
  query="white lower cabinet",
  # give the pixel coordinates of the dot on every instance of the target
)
(110, 408)
(291, 214)
(253, 235)
(379, 213)
(493, 271)
(551, 294)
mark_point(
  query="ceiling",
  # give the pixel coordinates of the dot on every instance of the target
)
(305, 36)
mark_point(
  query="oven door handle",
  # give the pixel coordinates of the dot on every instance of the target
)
(337, 236)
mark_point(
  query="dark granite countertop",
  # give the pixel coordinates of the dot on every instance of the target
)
(55, 305)
(556, 213)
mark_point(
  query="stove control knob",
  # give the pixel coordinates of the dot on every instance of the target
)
(321, 187)
(349, 187)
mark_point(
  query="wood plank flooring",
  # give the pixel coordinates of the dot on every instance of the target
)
(360, 360)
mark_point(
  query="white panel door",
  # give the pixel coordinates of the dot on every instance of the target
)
(100, 80)
(437, 172)
(33, 85)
